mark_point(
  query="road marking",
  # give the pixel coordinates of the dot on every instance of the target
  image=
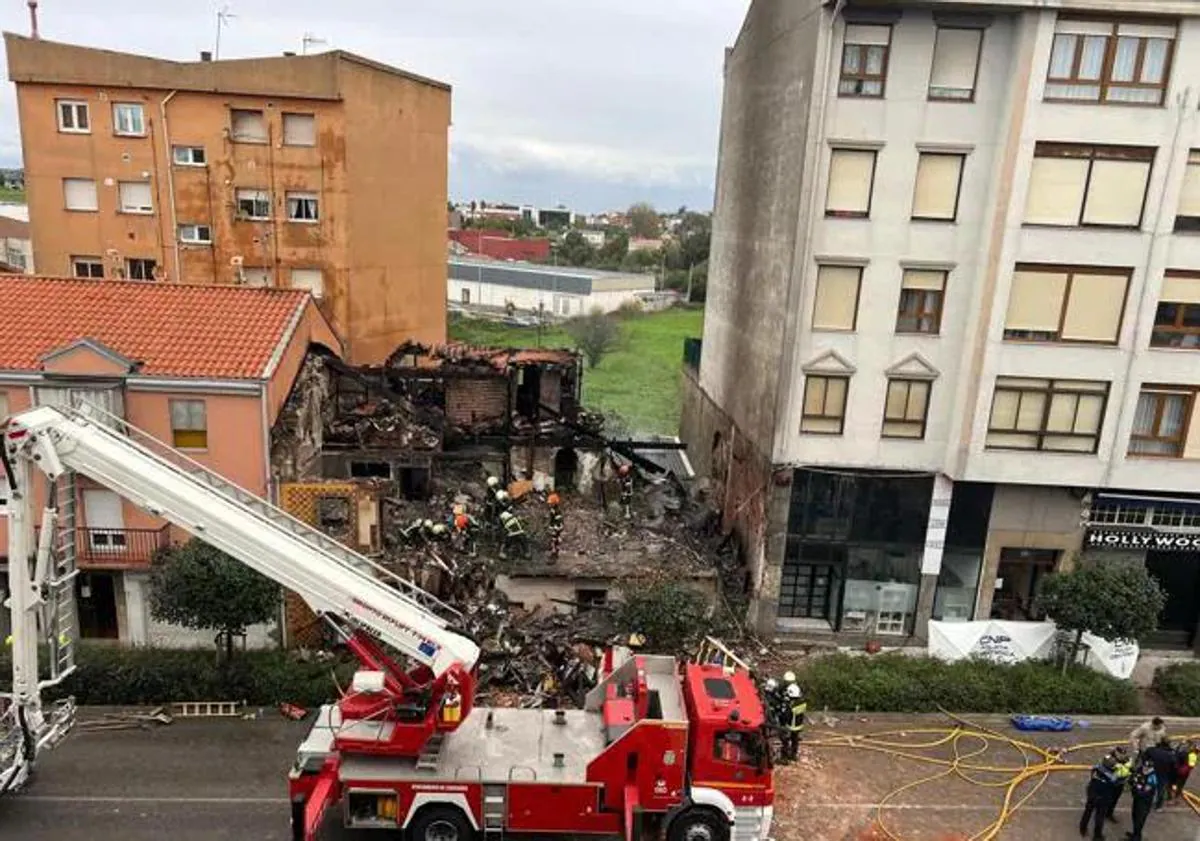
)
(922, 807)
(84, 798)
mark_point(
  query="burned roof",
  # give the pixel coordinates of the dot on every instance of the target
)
(438, 359)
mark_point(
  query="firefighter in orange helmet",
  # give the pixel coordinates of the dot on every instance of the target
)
(625, 475)
(556, 524)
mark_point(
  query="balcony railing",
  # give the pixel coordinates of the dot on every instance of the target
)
(119, 548)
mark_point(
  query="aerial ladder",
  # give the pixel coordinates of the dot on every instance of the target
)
(370, 607)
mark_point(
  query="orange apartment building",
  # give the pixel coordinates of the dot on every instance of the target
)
(322, 172)
(205, 369)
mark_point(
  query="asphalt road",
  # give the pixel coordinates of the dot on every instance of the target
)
(210, 780)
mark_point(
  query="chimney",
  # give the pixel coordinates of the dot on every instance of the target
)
(205, 55)
(289, 53)
(33, 25)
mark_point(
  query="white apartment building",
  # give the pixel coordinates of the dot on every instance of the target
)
(952, 338)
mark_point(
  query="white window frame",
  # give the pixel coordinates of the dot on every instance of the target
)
(299, 200)
(86, 260)
(95, 204)
(121, 111)
(188, 415)
(76, 107)
(188, 156)
(259, 198)
(136, 209)
(3, 477)
(195, 234)
(142, 261)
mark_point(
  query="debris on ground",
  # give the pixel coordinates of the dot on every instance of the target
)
(133, 720)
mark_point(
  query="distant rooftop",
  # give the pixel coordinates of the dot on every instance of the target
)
(570, 280)
(313, 76)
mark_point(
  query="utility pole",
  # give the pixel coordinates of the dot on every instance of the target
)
(223, 17)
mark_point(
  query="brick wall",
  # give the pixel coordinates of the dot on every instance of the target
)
(476, 401)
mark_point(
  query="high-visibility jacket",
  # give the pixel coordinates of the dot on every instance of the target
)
(799, 708)
(513, 528)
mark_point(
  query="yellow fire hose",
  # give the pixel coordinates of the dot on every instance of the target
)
(968, 741)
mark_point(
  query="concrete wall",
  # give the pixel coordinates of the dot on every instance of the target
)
(139, 628)
(539, 592)
(759, 203)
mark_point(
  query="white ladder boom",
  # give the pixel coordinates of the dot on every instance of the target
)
(331, 578)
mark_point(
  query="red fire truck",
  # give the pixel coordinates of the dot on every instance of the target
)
(659, 747)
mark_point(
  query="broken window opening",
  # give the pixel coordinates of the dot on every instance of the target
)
(529, 392)
(414, 482)
(586, 600)
(566, 465)
(370, 470)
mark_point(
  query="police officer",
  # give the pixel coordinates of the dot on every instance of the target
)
(556, 524)
(1102, 789)
(1143, 788)
(1163, 757)
(1123, 768)
(625, 476)
(514, 535)
(795, 721)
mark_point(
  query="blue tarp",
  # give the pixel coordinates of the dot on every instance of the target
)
(1051, 723)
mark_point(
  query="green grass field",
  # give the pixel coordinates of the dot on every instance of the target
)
(7, 194)
(639, 381)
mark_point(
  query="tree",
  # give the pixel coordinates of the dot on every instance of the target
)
(1114, 601)
(614, 250)
(200, 587)
(644, 220)
(594, 334)
(671, 616)
(574, 250)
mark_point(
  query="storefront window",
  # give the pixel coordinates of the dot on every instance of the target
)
(881, 590)
(957, 585)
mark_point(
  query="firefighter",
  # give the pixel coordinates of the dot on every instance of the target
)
(625, 476)
(438, 532)
(463, 537)
(490, 509)
(503, 504)
(451, 704)
(1102, 790)
(556, 524)
(1143, 787)
(414, 533)
(514, 535)
(797, 709)
(1186, 754)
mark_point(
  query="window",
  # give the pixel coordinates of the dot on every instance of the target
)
(195, 234)
(310, 279)
(851, 179)
(247, 126)
(299, 130)
(135, 196)
(1187, 217)
(1088, 185)
(824, 404)
(906, 408)
(253, 204)
(80, 194)
(466, 295)
(955, 63)
(864, 60)
(3, 477)
(189, 155)
(128, 119)
(1177, 321)
(302, 207)
(257, 277)
(836, 302)
(921, 293)
(939, 177)
(189, 425)
(1101, 61)
(1066, 304)
(139, 268)
(1160, 422)
(739, 747)
(1052, 415)
(87, 267)
(586, 600)
(73, 116)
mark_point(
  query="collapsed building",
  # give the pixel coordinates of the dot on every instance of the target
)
(362, 452)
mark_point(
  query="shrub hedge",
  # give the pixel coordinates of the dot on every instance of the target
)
(1179, 687)
(108, 675)
(898, 683)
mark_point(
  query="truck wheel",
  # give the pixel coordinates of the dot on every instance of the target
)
(699, 825)
(440, 823)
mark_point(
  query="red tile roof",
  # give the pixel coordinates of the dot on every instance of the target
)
(172, 330)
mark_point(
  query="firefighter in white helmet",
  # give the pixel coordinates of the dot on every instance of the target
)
(797, 710)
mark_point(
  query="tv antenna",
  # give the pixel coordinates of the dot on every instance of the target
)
(223, 18)
(310, 40)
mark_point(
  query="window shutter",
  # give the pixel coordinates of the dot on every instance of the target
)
(955, 54)
(850, 175)
(310, 279)
(936, 195)
(1004, 410)
(248, 125)
(1116, 192)
(1083, 27)
(80, 193)
(1056, 188)
(922, 279)
(1189, 199)
(136, 195)
(814, 395)
(299, 130)
(858, 33)
(256, 277)
(1180, 289)
(837, 298)
(1094, 311)
(1035, 301)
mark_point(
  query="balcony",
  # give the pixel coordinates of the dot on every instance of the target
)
(119, 548)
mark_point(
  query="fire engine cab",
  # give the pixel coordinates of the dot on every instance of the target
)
(660, 747)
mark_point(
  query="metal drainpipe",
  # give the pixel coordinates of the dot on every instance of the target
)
(166, 131)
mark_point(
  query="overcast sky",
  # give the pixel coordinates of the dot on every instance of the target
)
(592, 103)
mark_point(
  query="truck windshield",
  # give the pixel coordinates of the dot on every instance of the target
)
(740, 747)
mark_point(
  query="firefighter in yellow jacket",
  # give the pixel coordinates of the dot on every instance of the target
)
(794, 725)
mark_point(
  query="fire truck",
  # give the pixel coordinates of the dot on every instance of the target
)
(674, 750)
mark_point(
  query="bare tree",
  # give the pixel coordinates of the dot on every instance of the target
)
(595, 335)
